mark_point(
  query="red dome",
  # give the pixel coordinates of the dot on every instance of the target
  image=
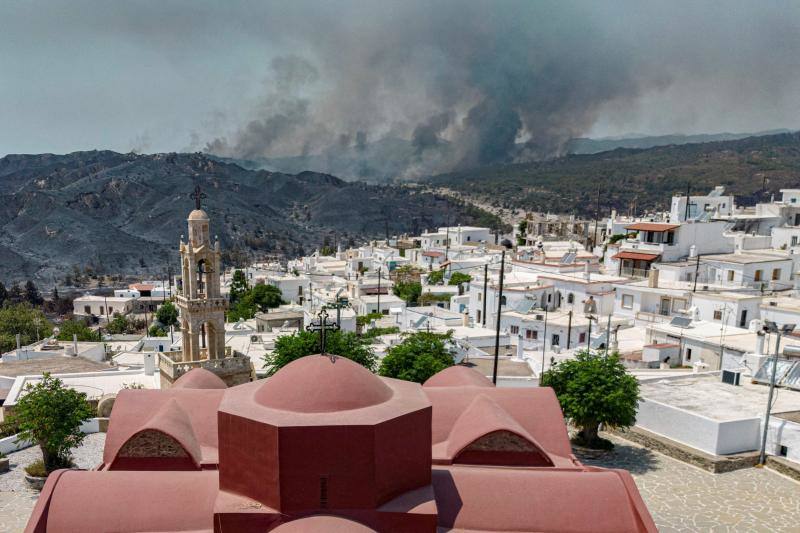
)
(323, 523)
(316, 384)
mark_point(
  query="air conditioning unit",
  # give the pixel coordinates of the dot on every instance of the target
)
(730, 377)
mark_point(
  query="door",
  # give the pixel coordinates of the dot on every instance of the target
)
(743, 319)
(664, 310)
(555, 341)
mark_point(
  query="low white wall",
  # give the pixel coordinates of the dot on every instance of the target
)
(784, 433)
(711, 436)
(12, 444)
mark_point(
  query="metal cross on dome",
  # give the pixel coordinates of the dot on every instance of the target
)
(197, 195)
(322, 325)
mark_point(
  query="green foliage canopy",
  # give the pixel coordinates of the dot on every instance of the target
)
(50, 415)
(22, 319)
(260, 298)
(347, 344)
(68, 328)
(167, 314)
(409, 291)
(418, 357)
(457, 278)
(594, 389)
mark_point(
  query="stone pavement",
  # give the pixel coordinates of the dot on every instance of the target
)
(684, 498)
(17, 500)
(681, 498)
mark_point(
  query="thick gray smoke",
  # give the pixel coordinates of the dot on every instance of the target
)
(470, 82)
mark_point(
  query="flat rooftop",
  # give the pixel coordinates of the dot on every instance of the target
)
(746, 258)
(505, 367)
(706, 395)
(58, 364)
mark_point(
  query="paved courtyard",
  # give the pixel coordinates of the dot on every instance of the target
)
(684, 498)
(17, 500)
(681, 498)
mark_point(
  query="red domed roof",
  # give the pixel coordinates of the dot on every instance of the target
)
(317, 384)
(199, 378)
(323, 523)
(458, 376)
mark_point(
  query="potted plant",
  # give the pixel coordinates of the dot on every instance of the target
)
(50, 415)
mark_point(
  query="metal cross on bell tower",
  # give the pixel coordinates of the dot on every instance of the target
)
(197, 196)
(322, 325)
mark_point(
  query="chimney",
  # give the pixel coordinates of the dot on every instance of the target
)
(760, 338)
(652, 278)
(149, 363)
(465, 320)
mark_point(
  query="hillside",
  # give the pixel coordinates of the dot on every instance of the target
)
(649, 177)
(124, 213)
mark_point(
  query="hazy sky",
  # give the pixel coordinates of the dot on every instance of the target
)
(276, 78)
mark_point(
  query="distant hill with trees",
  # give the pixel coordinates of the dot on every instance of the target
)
(752, 168)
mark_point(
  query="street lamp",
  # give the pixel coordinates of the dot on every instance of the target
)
(772, 327)
(506, 244)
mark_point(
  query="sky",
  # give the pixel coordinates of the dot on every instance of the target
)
(468, 81)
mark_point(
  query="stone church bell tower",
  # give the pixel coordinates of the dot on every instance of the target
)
(202, 309)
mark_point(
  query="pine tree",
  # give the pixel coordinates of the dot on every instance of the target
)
(3, 294)
(32, 294)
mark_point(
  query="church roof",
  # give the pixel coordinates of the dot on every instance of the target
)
(198, 214)
(183, 414)
(199, 378)
(321, 384)
(458, 376)
(323, 524)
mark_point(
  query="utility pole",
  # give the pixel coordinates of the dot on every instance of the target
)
(608, 333)
(569, 328)
(485, 283)
(596, 218)
(379, 290)
(544, 342)
(771, 327)
(696, 273)
(506, 244)
(688, 199)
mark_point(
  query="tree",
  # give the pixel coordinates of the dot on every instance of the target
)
(24, 320)
(239, 286)
(167, 314)
(260, 298)
(408, 291)
(436, 277)
(68, 328)
(523, 228)
(3, 294)
(418, 357)
(120, 325)
(457, 278)
(594, 389)
(156, 331)
(347, 344)
(50, 415)
(16, 295)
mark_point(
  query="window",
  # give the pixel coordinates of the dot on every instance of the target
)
(731, 275)
(555, 340)
(759, 273)
(688, 354)
(503, 300)
(531, 334)
(582, 337)
(794, 240)
(776, 274)
(570, 298)
(514, 329)
(678, 304)
(627, 301)
(101, 310)
(718, 314)
(87, 309)
(480, 296)
(479, 317)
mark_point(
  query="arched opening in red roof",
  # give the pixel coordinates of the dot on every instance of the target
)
(151, 449)
(502, 447)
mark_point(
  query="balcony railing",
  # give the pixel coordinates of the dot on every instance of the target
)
(634, 273)
(171, 365)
